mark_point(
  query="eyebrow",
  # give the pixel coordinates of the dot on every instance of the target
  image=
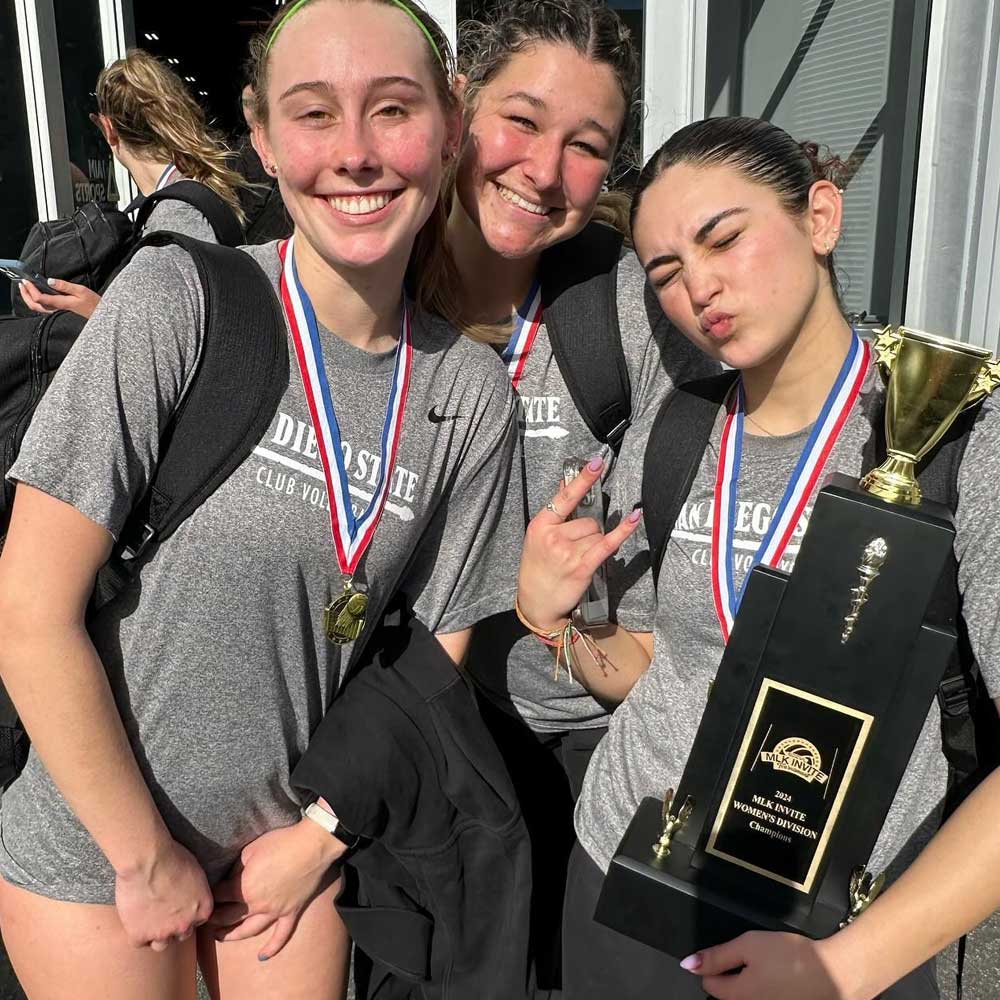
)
(537, 102)
(324, 87)
(699, 237)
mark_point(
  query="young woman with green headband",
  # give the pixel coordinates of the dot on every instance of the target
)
(164, 735)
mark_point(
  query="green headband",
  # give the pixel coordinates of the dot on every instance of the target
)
(398, 3)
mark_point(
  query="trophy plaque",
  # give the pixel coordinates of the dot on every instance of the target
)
(824, 686)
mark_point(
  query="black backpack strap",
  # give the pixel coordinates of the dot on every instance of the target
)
(241, 375)
(580, 299)
(961, 693)
(677, 442)
(220, 216)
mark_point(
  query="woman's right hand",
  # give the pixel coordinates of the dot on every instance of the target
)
(76, 298)
(163, 899)
(560, 556)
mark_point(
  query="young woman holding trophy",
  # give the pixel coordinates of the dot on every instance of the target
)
(735, 224)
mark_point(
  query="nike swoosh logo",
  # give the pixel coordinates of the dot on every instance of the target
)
(439, 418)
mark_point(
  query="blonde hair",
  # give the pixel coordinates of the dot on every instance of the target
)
(432, 277)
(155, 116)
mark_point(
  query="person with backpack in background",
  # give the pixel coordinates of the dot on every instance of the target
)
(158, 132)
(165, 727)
(736, 224)
(549, 89)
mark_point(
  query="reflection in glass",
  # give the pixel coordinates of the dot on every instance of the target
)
(78, 28)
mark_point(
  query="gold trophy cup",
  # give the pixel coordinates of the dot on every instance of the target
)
(931, 380)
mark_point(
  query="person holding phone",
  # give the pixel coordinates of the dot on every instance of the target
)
(548, 88)
(158, 132)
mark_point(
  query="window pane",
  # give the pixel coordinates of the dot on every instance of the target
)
(836, 72)
(78, 28)
(18, 210)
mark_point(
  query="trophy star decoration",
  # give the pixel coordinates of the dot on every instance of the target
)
(988, 380)
(886, 347)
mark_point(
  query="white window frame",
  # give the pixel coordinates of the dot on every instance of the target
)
(676, 41)
(36, 32)
(117, 35)
(984, 308)
(445, 12)
(933, 255)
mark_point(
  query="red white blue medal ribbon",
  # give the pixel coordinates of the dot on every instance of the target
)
(800, 489)
(351, 535)
(526, 324)
(166, 177)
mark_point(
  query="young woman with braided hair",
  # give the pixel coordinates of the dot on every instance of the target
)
(158, 133)
(550, 88)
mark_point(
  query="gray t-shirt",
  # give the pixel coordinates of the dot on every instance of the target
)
(222, 670)
(179, 217)
(513, 668)
(652, 732)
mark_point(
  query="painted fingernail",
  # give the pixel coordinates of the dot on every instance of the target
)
(263, 958)
(692, 963)
(596, 464)
(636, 516)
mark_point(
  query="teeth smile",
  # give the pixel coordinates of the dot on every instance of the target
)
(361, 204)
(516, 199)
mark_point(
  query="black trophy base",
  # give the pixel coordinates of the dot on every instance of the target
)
(661, 904)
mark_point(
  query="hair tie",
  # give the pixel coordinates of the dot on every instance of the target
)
(397, 3)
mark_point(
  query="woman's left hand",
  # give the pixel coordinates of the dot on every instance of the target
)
(762, 964)
(274, 880)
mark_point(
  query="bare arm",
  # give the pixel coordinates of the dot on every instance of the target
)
(60, 688)
(956, 878)
(558, 560)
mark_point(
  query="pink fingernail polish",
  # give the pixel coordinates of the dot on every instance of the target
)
(692, 963)
(596, 464)
(636, 516)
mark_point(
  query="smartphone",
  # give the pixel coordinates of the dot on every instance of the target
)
(17, 271)
(593, 608)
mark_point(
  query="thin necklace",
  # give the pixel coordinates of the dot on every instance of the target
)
(758, 426)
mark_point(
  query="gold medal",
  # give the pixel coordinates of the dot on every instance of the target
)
(344, 617)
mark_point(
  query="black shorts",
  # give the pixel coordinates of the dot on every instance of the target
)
(547, 770)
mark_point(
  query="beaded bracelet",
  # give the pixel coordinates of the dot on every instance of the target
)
(563, 640)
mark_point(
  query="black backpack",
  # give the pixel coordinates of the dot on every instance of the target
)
(241, 375)
(92, 245)
(579, 279)
(970, 725)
